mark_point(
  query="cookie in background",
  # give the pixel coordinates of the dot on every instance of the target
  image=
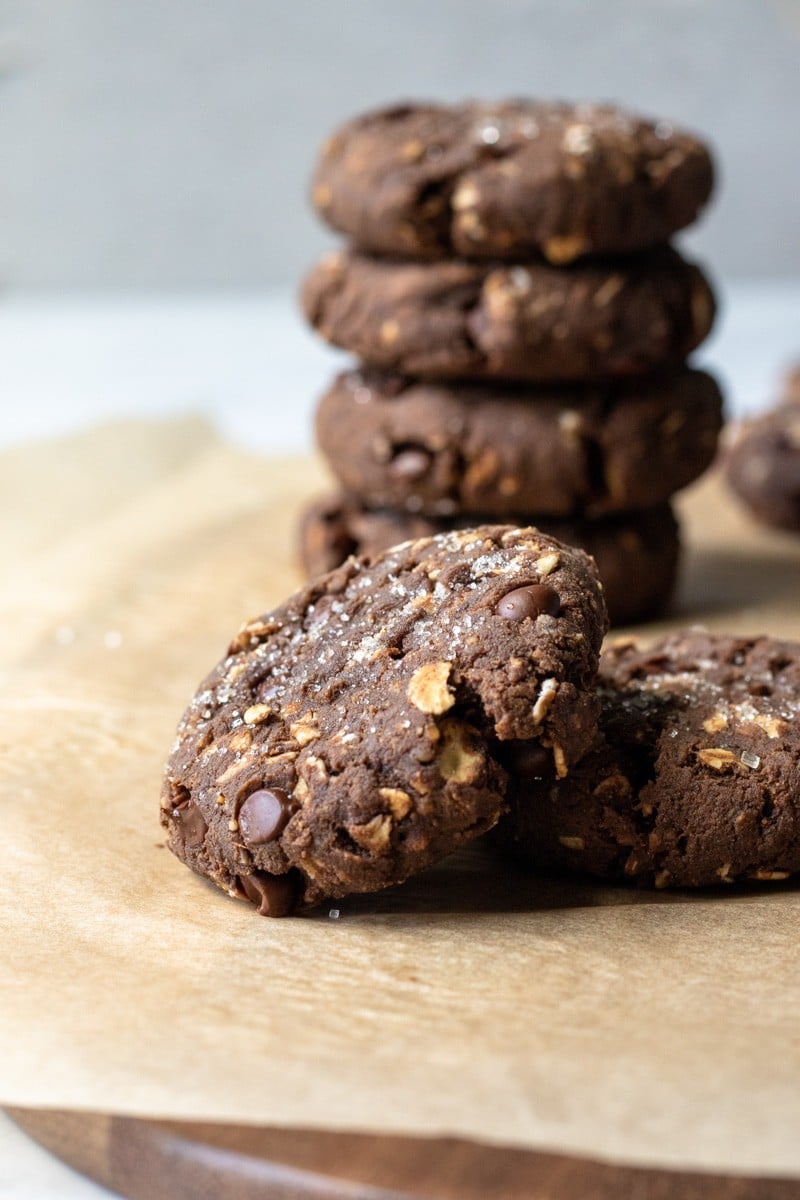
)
(762, 460)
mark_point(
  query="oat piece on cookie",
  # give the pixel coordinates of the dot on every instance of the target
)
(348, 739)
(696, 776)
(511, 179)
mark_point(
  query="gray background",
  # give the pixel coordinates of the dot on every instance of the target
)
(167, 143)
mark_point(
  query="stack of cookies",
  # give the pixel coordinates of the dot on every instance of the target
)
(523, 328)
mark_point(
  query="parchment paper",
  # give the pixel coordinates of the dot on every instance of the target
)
(649, 1027)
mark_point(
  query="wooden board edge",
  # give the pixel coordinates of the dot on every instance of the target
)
(143, 1159)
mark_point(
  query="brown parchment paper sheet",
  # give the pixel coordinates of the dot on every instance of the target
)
(660, 1028)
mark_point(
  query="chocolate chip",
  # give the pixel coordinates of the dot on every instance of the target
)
(263, 816)
(526, 760)
(411, 463)
(275, 895)
(190, 823)
(530, 601)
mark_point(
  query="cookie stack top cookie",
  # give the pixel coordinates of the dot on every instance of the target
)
(509, 181)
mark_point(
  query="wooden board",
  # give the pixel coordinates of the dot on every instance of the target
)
(160, 1160)
(208, 530)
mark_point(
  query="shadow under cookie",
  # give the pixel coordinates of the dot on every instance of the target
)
(479, 879)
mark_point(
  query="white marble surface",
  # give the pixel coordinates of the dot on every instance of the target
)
(28, 1173)
(243, 358)
(246, 360)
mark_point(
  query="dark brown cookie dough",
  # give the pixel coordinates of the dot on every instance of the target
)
(591, 449)
(529, 322)
(347, 740)
(763, 466)
(696, 776)
(636, 553)
(509, 180)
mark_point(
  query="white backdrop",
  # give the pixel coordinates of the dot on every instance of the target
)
(168, 142)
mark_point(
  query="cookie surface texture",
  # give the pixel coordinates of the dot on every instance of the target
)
(530, 322)
(347, 739)
(509, 180)
(443, 449)
(696, 777)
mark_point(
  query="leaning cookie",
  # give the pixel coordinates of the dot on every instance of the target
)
(529, 322)
(446, 449)
(762, 466)
(347, 739)
(512, 179)
(696, 776)
(636, 553)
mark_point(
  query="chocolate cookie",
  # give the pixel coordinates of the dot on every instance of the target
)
(591, 449)
(508, 180)
(696, 776)
(529, 322)
(791, 387)
(348, 738)
(636, 553)
(763, 466)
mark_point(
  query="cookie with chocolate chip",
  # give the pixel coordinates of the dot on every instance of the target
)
(695, 779)
(511, 179)
(763, 465)
(348, 739)
(443, 449)
(636, 553)
(530, 322)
